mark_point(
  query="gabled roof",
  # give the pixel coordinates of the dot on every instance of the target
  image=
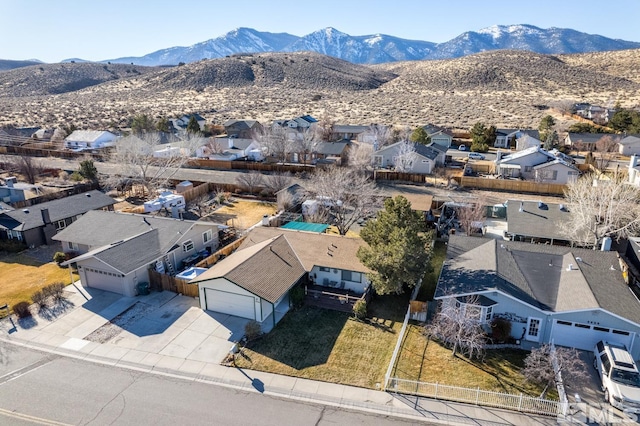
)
(267, 269)
(529, 132)
(99, 228)
(348, 128)
(532, 150)
(132, 253)
(62, 208)
(438, 147)
(313, 249)
(88, 135)
(331, 148)
(240, 124)
(432, 129)
(588, 138)
(553, 163)
(630, 140)
(427, 151)
(551, 278)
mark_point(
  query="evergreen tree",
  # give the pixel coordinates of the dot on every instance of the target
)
(193, 126)
(420, 135)
(398, 249)
(481, 136)
(163, 125)
(88, 170)
(546, 127)
(141, 123)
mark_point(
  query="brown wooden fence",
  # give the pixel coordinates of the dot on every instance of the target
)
(169, 283)
(249, 165)
(408, 177)
(512, 185)
(223, 252)
(43, 152)
(76, 189)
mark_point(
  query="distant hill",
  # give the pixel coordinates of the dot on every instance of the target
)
(51, 79)
(381, 48)
(505, 88)
(6, 64)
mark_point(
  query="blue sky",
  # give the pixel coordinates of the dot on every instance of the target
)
(53, 30)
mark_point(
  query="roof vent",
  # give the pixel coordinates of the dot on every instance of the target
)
(87, 194)
(25, 210)
(579, 259)
(612, 268)
(570, 267)
(562, 207)
(542, 206)
(521, 209)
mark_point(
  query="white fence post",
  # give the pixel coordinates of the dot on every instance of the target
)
(520, 403)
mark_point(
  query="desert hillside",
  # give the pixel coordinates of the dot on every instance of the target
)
(504, 88)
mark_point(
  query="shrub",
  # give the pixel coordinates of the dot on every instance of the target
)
(55, 290)
(40, 298)
(21, 309)
(76, 177)
(59, 257)
(252, 330)
(360, 309)
(12, 246)
(296, 296)
(500, 329)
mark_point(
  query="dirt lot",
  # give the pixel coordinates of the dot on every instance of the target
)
(242, 214)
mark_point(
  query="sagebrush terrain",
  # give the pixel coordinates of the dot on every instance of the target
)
(504, 88)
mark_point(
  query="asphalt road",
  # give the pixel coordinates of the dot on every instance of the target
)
(40, 388)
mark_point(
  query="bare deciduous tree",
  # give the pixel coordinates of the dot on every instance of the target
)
(29, 167)
(285, 201)
(406, 157)
(457, 325)
(275, 140)
(134, 156)
(471, 216)
(607, 149)
(361, 156)
(350, 195)
(251, 181)
(377, 135)
(306, 143)
(277, 181)
(538, 366)
(600, 209)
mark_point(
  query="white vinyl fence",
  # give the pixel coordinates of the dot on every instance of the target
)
(526, 404)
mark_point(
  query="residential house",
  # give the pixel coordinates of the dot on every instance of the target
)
(439, 135)
(629, 145)
(425, 157)
(118, 249)
(569, 296)
(537, 164)
(36, 225)
(300, 123)
(346, 132)
(230, 149)
(183, 121)
(254, 282)
(505, 138)
(336, 151)
(586, 141)
(242, 129)
(89, 139)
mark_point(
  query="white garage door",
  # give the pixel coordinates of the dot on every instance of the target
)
(585, 336)
(103, 280)
(230, 303)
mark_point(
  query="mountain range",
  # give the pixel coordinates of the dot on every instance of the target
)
(381, 48)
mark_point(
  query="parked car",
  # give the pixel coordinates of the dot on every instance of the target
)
(462, 148)
(619, 376)
(476, 156)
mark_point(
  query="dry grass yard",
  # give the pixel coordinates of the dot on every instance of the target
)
(331, 346)
(242, 214)
(427, 361)
(22, 276)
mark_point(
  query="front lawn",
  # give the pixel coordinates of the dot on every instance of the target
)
(22, 276)
(430, 278)
(427, 361)
(331, 346)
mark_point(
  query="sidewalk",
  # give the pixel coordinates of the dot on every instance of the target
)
(64, 334)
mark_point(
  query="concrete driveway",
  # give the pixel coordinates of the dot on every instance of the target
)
(161, 328)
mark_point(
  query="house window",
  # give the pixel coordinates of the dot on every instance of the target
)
(488, 313)
(528, 168)
(547, 175)
(206, 236)
(60, 225)
(187, 246)
(352, 276)
(324, 269)
(72, 246)
(377, 160)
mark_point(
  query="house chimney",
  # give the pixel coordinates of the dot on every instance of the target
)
(45, 216)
